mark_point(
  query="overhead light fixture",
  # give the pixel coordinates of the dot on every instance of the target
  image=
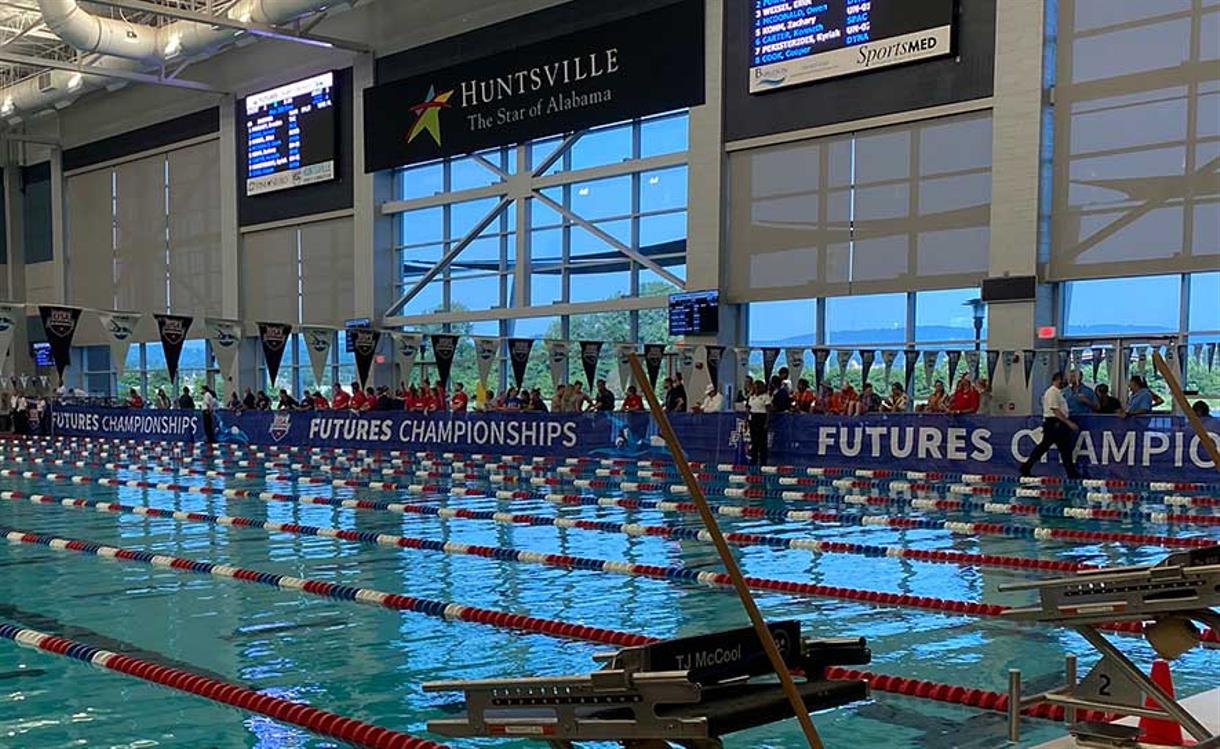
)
(74, 81)
(7, 107)
(173, 47)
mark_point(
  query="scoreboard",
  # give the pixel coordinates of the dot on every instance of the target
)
(801, 41)
(694, 313)
(290, 135)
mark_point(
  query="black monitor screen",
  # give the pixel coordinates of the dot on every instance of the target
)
(290, 135)
(694, 313)
(798, 41)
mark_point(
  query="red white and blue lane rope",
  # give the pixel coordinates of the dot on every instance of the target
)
(673, 573)
(321, 722)
(324, 589)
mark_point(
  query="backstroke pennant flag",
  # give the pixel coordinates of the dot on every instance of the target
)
(444, 348)
(887, 358)
(770, 355)
(1211, 356)
(654, 353)
(1198, 355)
(274, 337)
(120, 328)
(1099, 354)
(622, 351)
(1027, 361)
(795, 359)
(173, 330)
(485, 351)
(364, 349)
(519, 356)
(590, 354)
(10, 314)
(406, 349)
(820, 357)
(955, 358)
(972, 363)
(225, 337)
(993, 361)
(1009, 358)
(909, 358)
(867, 357)
(743, 366)
(60, 326)
(318, 343)
(845, 356)
(686, 361)
(714, 354)
(929, 366)
(557, 355)
(1046, 362)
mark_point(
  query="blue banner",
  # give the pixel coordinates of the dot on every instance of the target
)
(1161, 448)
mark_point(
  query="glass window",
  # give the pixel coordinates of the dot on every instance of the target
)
(611, 145)
(546, 286)
(423, 226)
(599, 282)
(663, 228)
(467, 173)
(1089, 307)
(474, 293)
(464, 216)
(422, 181)
(874, 319)
(947, 315)
(782, 323)
(587, 243)
(663, 190)
(603, 198)
(664, 135)
(1205, 300)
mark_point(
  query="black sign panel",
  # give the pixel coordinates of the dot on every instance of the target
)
(274, 336)
(645, 64)
(519, 354)
(173, 330)
(60, 325)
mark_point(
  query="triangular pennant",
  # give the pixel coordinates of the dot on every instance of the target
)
(60, 326)
(1027, 361)
(743, 367)
(1077, 359)
(364, 348)
(844, 358)
(1063, 360)
(225, 337)
(274, 337)
(866, 363)
(820, 357)
(795, 360)
(485, 352)
(1141, 359)
(519, 357)
(713, 355)
(120, 329)
(910, 357)
(993, 361)
(654, 353)
(1009, 358)
(770, 355)
(955, 358)
(1198, 355)
(406, 348)
(10, 315)
(173, 330)
(557, 357)
(972, 363)
(444, 348)
(929, 367)
(1099, 355)
(590, 355)
(686, 361)
(1110, 358)
(888, 356)
(1211, 356)
(318, 344)
(622, 354)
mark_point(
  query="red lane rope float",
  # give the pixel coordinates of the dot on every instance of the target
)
(324, 589)
(565, 561)
(321, 722)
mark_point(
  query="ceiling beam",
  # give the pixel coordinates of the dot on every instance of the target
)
(126, 75)
(257, 29)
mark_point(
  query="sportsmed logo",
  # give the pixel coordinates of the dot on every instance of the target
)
(280, 426)
(428, 115)
(870, 55)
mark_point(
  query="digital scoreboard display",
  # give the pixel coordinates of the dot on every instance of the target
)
(694, 313)
(290, 135)
(801, 41)
(41, 353)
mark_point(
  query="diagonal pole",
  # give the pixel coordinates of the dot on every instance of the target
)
(726, 556)
(1171, 379)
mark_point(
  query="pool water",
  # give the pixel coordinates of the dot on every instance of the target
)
(368, 662)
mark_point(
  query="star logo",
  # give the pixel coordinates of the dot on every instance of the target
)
(427, 115)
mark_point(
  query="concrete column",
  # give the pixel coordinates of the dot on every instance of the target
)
(15, 268)
(373, 263)
(59, 224)
(230, 232)
(1015, 193)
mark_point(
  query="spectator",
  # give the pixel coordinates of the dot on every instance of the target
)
(287, 402)
(185, 401)
(759, 407)
(262, 401)
(825, 400)
(559, 401)
(1142, 400)
(234, 403)
(210, 404)
(632, 400)
(1106, 403)
(460, 401)
(965, 399)
(439, 397)
(869, 402)
(162, 399)
(743, 394)
(938, 401)
(677, 395)
(339, 398)
(713, 401)
(248, 402)
(370, 399)
(401, 393)
(1080, 397)
(134, 399)
(384, 402)
(781, 398)
(897, 402)
(357, 401)
(1058, 429)
(983, 386)
(319, 401)
(782, 374)
(576, 400)
(1201, 409)
(802, 399)
(605, 398)
(536, 402)
(512, 401)
(844, 401)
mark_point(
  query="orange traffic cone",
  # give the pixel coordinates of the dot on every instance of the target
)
(1160, 731)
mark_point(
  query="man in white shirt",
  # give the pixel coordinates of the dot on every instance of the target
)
(210, 404)
(759, 407)
(1058, 429)
(713, 401)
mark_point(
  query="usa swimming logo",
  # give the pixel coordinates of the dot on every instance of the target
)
(280, 425)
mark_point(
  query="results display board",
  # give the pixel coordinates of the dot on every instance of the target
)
(801, 41)
(694, 313)
(290, 135)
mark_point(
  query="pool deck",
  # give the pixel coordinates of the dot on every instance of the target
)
(1205, 706)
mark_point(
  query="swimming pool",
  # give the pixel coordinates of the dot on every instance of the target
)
(368, 662)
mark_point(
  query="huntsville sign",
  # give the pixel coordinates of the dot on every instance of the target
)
(641, 65)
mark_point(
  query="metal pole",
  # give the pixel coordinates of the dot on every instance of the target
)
(1171, 379)
(726, 556)
(1014, 705)
(1069, 670)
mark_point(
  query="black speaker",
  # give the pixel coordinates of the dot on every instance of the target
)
(1010, 289)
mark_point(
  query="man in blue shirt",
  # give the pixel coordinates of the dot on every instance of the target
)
(1141, 400)
(1081, 399)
